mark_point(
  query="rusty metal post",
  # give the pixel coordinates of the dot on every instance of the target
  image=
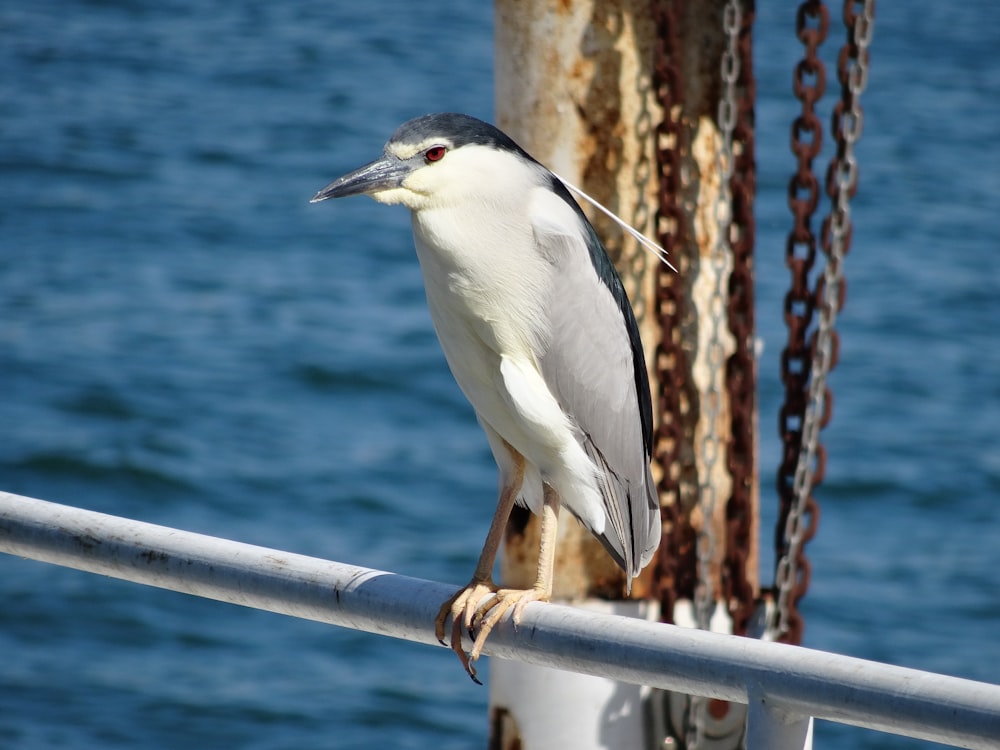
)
(577, 85)
(574, 88)
(573, 85)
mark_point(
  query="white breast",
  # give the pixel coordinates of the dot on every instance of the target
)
(489, 289)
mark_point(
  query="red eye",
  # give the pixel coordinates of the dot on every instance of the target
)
(434, 153)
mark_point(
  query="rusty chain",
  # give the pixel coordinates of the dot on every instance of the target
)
(741, 367)
(677, 565)
(805, 458)
(806, 359)
(673, 568)
(812, 26)
(643, 173)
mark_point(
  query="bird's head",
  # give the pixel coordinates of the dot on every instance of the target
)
(437, 159)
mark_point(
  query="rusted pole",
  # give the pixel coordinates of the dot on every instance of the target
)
(573, 82)
(576, 87)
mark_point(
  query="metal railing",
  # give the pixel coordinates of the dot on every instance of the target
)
(783, 685)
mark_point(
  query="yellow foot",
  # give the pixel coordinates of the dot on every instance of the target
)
(462, 607)
(478, 617)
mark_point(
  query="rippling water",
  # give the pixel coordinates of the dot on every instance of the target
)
(183, 339)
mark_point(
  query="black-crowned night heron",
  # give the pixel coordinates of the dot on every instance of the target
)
(540, 336)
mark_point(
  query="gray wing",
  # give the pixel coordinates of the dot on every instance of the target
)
(594, 365)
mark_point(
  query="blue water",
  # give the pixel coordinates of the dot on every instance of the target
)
(185, 340)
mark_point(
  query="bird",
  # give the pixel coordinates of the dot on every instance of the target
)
(540, 336)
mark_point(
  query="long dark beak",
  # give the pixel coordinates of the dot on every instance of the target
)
(382, 174)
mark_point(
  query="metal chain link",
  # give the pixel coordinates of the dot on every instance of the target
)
(694, 722)
(697, 736)
(643, 173)
(676, 569)
(670, 362)
(812, 26)
(720, 258)
(741, 368)
(841, 185)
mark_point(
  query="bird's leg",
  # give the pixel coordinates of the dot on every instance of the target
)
(463, 605)
(490, 612)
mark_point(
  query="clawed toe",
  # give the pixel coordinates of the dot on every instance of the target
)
(477, 612)
(462, 607)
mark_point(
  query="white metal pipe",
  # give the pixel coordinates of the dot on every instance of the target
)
(771, 727)
(794, 680)
(555, 708)
(206, 566)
